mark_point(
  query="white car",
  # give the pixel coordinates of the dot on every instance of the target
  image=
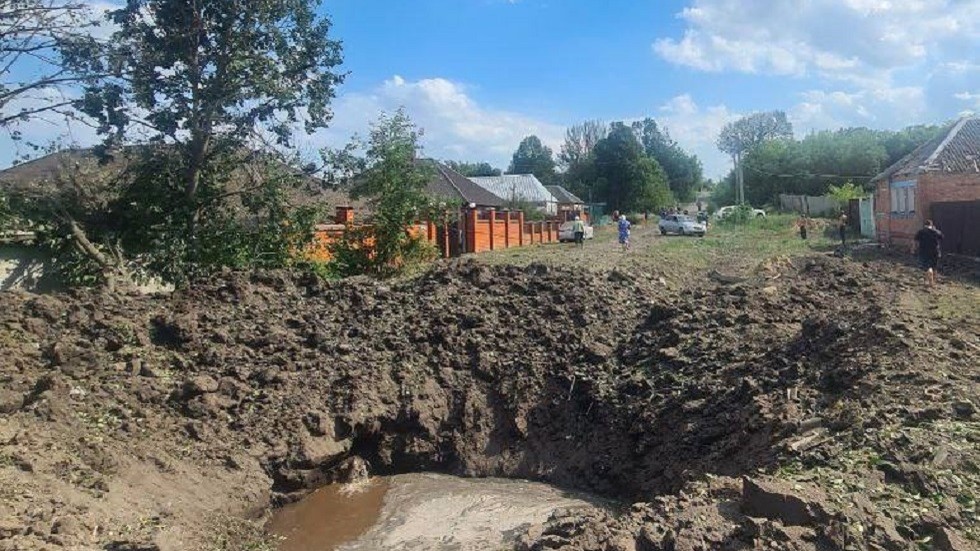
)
(681, 224)
(725, 211)
(566, 234)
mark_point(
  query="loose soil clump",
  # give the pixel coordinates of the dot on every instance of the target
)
(794, 407)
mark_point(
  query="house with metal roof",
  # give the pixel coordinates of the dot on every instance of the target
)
(939, 180)
(514, 188)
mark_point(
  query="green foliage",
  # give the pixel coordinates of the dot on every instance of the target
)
(580, 141)
(350, 255)
(201, 81)
(740, 215)
(70, 218)
(533, 157)
(684, 172)
(531, 212)
(722, 194)
(812, 165)
(628, 180)
(195, 72)
(474, 169)
(100, 218)
(742, 135)
(394, 183)
(846, 192)
(8, 218)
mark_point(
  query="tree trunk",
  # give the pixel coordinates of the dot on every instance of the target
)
(115, 275)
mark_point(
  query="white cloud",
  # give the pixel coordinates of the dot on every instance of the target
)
(44, 129)
(455, 125)
(853, 40)
(876, 108)
(972, 100)
(696, 130)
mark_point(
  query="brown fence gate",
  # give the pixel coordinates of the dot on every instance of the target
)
(960, 224)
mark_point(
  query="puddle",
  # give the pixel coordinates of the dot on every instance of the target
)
(417, 512)
(329, 516)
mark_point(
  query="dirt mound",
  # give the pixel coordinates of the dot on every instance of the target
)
(128, 420)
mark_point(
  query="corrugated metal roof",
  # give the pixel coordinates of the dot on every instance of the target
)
(516, 186)
(955, 151)
(563, 195)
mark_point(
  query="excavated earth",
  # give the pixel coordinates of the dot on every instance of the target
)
(795, 407)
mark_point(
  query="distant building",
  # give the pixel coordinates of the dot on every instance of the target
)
(569, 205)
(458, 191)
(940, 180)
(518, 188)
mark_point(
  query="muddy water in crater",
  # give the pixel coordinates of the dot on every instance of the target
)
(419, 512)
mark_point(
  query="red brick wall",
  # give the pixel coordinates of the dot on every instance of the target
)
(479, 232)
(930, 188)
(951, 187)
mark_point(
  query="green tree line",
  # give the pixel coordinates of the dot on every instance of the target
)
(629, 167)
(772, 161)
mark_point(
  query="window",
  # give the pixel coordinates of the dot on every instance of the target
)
(903, 198)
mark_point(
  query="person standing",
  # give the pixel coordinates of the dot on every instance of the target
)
(928, 241)
(624, 232)
(578, 230)
(842, 228)
(802, 224)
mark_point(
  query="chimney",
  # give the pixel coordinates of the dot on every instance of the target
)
(345, 215)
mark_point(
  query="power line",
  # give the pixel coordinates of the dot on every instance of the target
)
(810, 174)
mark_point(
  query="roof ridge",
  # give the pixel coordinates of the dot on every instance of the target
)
(949, 137)
(442, 171)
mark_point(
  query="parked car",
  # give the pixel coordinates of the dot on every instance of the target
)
(725, 211)
(566, 235)
(682, 224)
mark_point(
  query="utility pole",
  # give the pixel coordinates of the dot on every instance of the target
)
(740, 177)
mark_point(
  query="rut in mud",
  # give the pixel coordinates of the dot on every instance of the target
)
(606, 383)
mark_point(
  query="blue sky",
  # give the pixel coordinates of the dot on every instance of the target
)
(479, 75)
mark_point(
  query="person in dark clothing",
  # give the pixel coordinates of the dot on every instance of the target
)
(842, 228)
(803, 224)
(928, 241)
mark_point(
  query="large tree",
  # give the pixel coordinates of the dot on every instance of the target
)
(33, 76)
(577, 158)
(684, 171)
(202, 82)
(533, 157)
(740, 136)
(580, 140)
(822, 159)
(393, 181)
(627, 179)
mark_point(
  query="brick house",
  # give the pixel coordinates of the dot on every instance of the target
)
(939, 180)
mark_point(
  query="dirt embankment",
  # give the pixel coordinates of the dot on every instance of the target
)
(145, 423)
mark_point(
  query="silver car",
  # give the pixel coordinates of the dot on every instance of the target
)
(681, 224)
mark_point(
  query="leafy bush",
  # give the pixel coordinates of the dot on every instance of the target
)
(394, 182)
(846, 192)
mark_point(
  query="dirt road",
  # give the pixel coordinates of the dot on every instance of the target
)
(802, 401)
